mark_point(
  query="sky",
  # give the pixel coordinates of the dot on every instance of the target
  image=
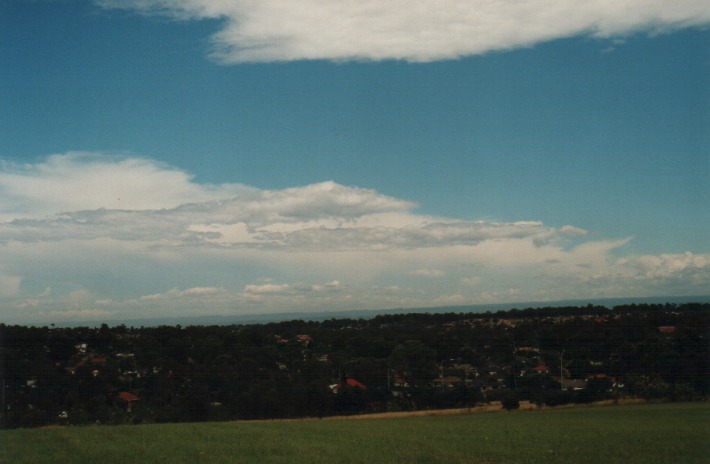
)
(168, 158)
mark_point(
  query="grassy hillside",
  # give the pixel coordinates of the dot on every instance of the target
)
(629, 434)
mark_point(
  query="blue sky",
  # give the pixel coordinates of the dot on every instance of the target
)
(219, 156)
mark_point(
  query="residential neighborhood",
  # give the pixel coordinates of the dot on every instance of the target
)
(397, 362)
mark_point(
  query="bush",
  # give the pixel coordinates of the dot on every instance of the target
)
(510, 402)
(557, 397)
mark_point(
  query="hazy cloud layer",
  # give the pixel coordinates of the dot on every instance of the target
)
(107, 237)
(412, 30)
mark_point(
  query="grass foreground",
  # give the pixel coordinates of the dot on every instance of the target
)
(651, 433)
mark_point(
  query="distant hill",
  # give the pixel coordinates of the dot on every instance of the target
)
(370, 313)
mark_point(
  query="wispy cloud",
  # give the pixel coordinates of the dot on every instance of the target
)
(182, 248)
(412, 30)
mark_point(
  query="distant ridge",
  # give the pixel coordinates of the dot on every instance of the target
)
(370, 313)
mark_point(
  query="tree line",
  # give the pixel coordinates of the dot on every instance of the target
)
(293, 369)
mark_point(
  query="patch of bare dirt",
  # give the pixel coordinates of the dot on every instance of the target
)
(494, 406)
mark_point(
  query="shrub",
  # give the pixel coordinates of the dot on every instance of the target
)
(510, 401)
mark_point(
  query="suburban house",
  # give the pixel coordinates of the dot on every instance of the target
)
(352, 383)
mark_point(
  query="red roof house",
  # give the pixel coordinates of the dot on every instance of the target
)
(128, 397)
(351, 383)
(541, 369)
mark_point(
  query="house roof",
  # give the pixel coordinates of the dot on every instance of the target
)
(449, 379)
(576, 384)
(351, 383)
(355, 383)
(128, 396)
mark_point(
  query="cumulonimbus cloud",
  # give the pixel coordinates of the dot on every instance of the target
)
(92, 197)
(412, 30)
(184, 246)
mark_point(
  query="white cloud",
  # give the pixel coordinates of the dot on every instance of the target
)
(177, 294)
(197, 292)
(81, 181)
(266, 288)
(329, 287)
(428, 273)
(470, 281)
(323, 247)
(667, 265)
(412, 30)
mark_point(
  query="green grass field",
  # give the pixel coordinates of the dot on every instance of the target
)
(658, 433)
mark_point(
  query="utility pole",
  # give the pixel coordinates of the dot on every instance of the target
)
(515, 374)
(389, 386)
(562, 371)
(2, 417)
